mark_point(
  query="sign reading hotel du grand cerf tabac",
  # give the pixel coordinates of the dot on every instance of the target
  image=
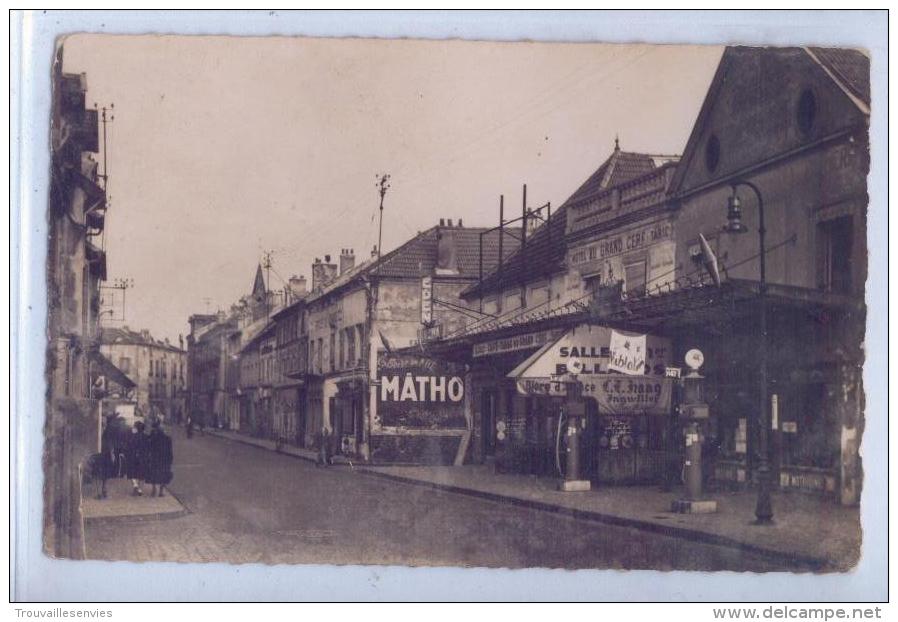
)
(416, 391)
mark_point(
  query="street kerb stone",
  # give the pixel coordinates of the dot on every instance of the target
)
(121, 505)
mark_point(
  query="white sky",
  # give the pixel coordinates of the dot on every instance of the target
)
(224, 147)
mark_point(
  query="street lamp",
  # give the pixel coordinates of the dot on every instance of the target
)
(764, 507)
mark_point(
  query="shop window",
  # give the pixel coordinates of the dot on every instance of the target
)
(810, 428)
(350, 344)
(635, 277)
(342, 349)
(834, 254)
(332, 355)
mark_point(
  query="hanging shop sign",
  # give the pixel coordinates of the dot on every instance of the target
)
(628, 353)
(419, 392)
(515, 343)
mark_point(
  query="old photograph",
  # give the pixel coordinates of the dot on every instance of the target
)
(456, 303)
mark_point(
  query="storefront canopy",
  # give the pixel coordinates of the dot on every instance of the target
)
(622, 372)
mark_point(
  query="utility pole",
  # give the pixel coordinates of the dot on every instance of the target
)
(122, 284)
(105, 119)
(383, 184)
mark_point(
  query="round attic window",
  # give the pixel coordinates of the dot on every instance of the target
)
(807, 111)
(712, 153)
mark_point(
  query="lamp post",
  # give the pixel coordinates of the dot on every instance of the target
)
(763, 508)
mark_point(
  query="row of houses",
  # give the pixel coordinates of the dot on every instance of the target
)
(427, 354)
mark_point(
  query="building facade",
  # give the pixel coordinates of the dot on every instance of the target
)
(794, 125)
(76, 265)
(157, 368)
(645, 254)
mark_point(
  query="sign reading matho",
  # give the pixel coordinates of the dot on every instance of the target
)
(417, 391)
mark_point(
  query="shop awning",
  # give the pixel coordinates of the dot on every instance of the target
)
(105, 367)
(585, 355)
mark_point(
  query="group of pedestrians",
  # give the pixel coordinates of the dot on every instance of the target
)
(144, 458)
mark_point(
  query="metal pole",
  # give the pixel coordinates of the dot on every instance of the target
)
(501, 234)
(764, 507)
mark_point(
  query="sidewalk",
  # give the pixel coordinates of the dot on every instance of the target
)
(808, 532)
(121, 505)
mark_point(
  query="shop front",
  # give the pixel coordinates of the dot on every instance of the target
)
(347, 410)
(626, 433)
(289, 414)
(814, 391)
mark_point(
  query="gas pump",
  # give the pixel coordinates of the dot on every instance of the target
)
(693, 411)
(572, 421)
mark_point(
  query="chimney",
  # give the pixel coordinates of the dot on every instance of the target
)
(181, 341)
(449, 223)
(145, 334)
(323, 272)
(347, 260)
(446, 252)
(442, 222)
(374, 251)
(297, 286)
(459, 223)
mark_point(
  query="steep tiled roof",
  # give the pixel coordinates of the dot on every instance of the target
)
(850, 68)
(419, 255)
(546, 248)
(620, 167)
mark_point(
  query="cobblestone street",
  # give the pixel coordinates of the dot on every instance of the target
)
(247, 505)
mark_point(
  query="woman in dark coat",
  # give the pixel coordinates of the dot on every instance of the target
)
(161, 457)
(136, 457)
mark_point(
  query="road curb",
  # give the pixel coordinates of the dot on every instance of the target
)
(810, 563)
(249, 443)
(807, 563)
(140, 518)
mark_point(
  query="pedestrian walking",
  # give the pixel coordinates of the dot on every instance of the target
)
(136, 457)
(161, 456)
(324, 447)
(109, 454)
(189, 426)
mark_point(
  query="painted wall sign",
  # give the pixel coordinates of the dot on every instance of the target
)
(419, 392)
(426, 300)
(614, 394)
(629, 395)
(515, 343)
(590, 257)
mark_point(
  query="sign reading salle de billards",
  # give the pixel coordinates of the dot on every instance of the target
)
(416, 391)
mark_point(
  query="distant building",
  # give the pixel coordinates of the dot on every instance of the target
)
(214, 347)
(157, 368)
